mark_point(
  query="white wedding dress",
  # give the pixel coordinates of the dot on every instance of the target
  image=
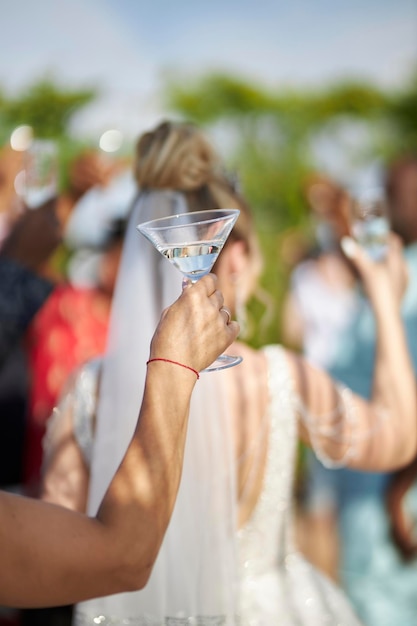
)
(277, 586)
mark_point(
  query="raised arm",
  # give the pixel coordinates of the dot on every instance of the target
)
(344, 429)
(51, 555)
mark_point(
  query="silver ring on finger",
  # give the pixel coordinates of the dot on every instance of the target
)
(228, 313)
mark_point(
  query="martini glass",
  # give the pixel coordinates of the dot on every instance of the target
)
(192, 242)
(370, 222)
(40, 174)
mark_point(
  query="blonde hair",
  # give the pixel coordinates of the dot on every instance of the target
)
(177, 155)
(174, 156)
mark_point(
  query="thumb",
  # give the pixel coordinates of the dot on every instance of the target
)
(349, 246)
(359, 258)
(353, 251)
(234, 329)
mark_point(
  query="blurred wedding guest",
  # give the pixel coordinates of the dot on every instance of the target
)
(232, 531)
(28, 274)
(106, 199)
(72, 326)
(30, 242)
(69, 329)
(90, 170)
(10, 165)
(30, 239)
(377, 511)
(321, 299)
(319, 305)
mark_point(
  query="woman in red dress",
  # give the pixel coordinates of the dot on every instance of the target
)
(69, 329)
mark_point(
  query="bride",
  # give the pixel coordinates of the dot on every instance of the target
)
(229, 556)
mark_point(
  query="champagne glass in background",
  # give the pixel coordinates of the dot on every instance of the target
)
(192, 242)
(370, 222)
(40, 174)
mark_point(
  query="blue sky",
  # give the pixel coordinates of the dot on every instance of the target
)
(124, 47)
(279, 40)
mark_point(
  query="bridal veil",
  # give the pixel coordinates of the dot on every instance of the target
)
(194, 578)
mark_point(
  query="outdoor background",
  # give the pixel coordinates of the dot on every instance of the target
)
(282, 88)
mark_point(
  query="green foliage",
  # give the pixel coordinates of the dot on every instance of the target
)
(273, 135)
(218, 96)
(48, 109)
(272, 131)
(215, 96)
(45, 107)
(352, 99)
(402, 113)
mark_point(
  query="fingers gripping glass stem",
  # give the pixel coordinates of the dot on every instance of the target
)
(192, 242)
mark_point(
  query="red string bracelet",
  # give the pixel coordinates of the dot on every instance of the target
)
(187, 367)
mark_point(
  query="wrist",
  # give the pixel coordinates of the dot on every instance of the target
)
(175, 363)
(171, 375)
(170, 388)
(383, 298)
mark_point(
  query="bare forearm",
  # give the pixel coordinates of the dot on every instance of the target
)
(391, 420)
(51, 555)
(148, 479)
(375, 435)
(55, 556)
(394, 390)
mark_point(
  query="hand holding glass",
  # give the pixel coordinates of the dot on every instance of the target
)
(192, 242)
(370, 223)
(40, 173)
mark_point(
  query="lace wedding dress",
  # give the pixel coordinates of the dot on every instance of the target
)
(277, 586)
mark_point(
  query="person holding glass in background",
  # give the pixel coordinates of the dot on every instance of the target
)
(319, 305)
(377, 564)
(29, 239)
